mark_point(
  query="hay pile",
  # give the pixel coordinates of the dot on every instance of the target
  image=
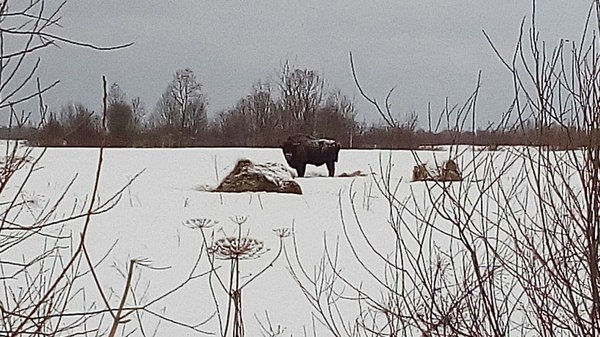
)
(447, 172)
(357, 173)
(247, 176)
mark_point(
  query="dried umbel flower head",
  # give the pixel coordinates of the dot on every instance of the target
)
(200, 223)
(33, 199)
(282, 232)
(231, 248)
(238, 219)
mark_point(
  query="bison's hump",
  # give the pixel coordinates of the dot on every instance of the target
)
(323, 142)
(311, 141)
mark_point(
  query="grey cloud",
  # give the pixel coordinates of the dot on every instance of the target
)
(428, 49)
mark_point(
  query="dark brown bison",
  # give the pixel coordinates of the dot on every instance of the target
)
(300, 150)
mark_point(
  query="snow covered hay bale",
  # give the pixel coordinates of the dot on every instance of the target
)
(447, 172)
(421, 173)
(254, 177)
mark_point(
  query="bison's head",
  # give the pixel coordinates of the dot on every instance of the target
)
(290, 149)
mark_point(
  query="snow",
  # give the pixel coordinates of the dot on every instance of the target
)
(274, 172)
(158, 217)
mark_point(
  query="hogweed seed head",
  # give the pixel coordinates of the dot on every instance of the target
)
(32, 199)
(282, 232)
(238, 219)
(200, 223)
(231, 248)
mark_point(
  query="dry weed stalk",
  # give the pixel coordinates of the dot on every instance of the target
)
(48, 275)
(233, 249)
(513, 249)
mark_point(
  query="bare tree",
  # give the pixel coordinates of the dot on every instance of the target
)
(166, 111)
(263, 110)
(337, 118)
(120, 124)
(234, 126)
(255, 120)
(116, 94)
(183, 106)
(301, 94)
(124, 119)
(138, 108)
(52, 132)
(82, 126)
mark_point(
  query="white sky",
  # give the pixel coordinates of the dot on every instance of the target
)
(428, 49)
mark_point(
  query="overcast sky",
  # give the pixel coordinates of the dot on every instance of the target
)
(427, 49)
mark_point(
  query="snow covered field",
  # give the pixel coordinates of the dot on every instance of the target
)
(148, 223)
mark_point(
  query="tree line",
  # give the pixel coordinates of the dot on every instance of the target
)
(297, 103)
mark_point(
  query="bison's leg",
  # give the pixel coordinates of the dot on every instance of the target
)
(301, 169)
(331, 168)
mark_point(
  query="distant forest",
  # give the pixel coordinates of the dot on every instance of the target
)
(298, 103)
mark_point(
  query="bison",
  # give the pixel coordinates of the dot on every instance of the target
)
(300, 150)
